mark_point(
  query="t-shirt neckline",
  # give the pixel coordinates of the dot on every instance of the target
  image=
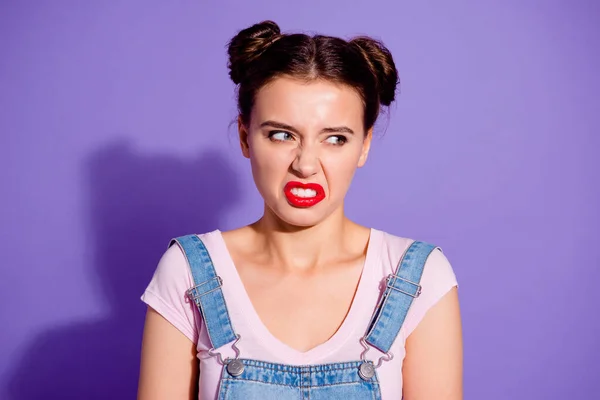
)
(280, 349)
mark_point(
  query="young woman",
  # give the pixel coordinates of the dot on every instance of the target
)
(303, 303)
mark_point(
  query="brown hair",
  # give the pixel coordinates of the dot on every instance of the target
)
(261, 53)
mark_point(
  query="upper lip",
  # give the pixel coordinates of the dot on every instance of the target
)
(308, 185)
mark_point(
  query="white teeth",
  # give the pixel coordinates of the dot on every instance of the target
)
(304, 192)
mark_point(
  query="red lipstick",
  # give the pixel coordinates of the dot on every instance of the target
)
(303, 202)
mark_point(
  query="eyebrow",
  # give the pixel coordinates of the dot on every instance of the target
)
(280, 125)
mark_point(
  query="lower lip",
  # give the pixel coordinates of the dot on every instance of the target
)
(303, 202)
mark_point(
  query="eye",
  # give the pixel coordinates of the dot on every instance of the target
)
(336, 140)
(280, 136)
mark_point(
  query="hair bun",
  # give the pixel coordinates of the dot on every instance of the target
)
(382, 66)
(248, 45)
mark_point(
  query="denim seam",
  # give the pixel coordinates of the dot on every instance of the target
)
(359, 382)
(204, 255)
(341, 368)
(228, 379)
(344, 366)
(373, 384)
(415, 248)
(226, 388)
(309, 376)
(300, 386)
(386, 292)
(219, 289)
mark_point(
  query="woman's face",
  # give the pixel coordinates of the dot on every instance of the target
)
(304, 142)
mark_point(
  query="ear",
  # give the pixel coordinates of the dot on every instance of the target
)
(366, 146)
(243, 133)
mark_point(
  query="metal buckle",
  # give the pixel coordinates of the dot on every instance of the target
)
(396, 277)
(213, 353)
(193, 291)
(386, 357)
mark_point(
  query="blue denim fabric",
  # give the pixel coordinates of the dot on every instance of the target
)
(401, 289)
(207, 293)
(338, 381)
(262, 380)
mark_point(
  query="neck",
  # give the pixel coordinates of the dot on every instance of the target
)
(305, 248)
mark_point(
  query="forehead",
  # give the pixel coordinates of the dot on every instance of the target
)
(307, 104)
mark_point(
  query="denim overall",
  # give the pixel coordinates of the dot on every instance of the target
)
(245, 379)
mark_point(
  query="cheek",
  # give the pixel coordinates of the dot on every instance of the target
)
(269, 164)
(339, 170)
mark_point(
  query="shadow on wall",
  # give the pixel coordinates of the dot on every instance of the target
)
(137, 203)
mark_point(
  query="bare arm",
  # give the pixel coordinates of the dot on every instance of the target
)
(433, 367)
(169, 367)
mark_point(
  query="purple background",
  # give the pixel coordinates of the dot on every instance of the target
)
(115, 136)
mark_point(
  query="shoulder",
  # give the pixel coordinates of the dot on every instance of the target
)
(180, 247)
(172, 270)
(437, 267)
(438, 276)
(206, 236)
(173, 263)
(167, 291)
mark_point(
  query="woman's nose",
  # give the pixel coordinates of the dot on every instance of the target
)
(306, 162)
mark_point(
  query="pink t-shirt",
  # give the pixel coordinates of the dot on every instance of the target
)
(166, 293)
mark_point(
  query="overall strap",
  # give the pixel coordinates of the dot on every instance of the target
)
(207, 293)
(401, 288)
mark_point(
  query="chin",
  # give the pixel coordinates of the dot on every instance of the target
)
(300, 217)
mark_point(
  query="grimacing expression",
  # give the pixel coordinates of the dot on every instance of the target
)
(309, 133)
